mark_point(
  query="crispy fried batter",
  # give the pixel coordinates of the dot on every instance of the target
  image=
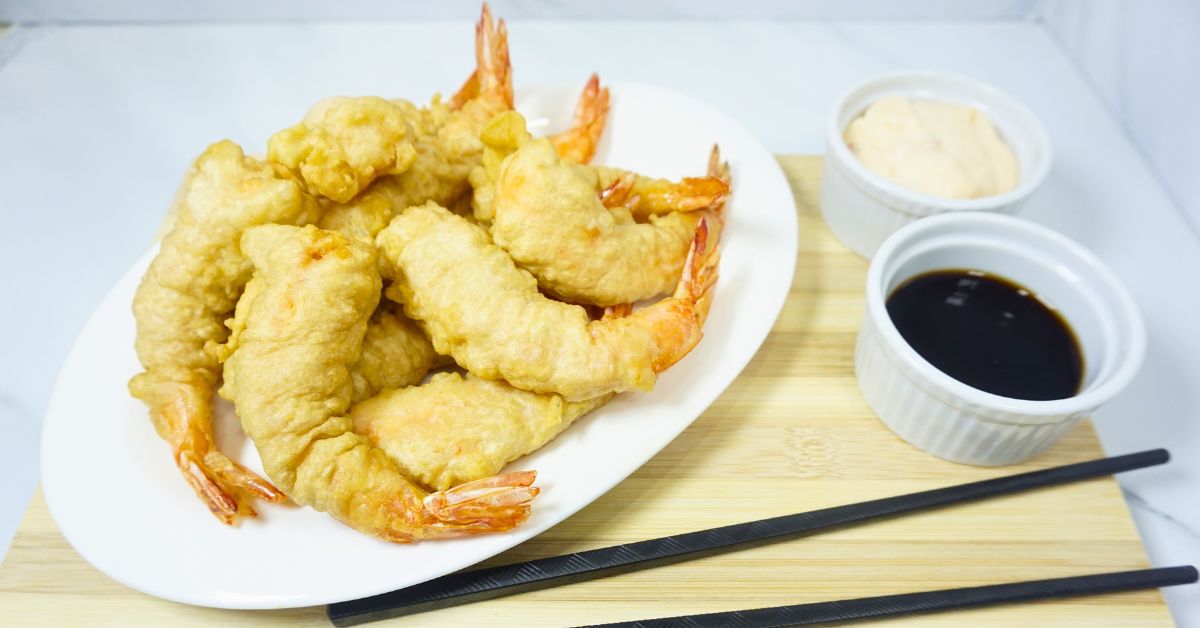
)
(444, 138)
(486, 313)
(343, 144)
(552, 223)
(182, 301)
(456, 429)
(395, 353)
(297, 331)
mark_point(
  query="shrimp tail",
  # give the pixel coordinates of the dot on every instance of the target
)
(222, 484)
(493, 69)
(578, 144)
(492, 504)
(244, 479)
(646, 197)
(219, 482)
(220, 502)
(493, 66)
(676, 323)
(619, 193)
(468, 92)
(719, 170)
(620, 310)
(700, 268)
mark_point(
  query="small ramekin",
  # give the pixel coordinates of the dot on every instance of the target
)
(862, 208)
(957, 422)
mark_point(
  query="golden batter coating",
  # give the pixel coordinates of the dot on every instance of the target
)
(486, 313)
(647, 196)
(185, 296)
(297, 331)
(343, 144)
(362, 216)
(456, 429)
(551, 221)
(395, 353)
(444, 138)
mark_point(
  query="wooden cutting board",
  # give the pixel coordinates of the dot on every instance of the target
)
(791, 433)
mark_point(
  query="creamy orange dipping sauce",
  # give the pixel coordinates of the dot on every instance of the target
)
(936, 148)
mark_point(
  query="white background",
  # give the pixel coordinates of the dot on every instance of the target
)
(99, 122)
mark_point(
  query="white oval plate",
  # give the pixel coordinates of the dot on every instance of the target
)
(114, 492)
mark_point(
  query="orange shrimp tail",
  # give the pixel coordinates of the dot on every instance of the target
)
(690, 194)
(699, 193)
(492, 64)
(246, 481)
(700, 267)
(220, 502)
(468, 92)
(578, 144)
(492, 504)
(621, 310)
(677, 323)
(225, 486)
(619, 193)
(719, 170)
(492, 76)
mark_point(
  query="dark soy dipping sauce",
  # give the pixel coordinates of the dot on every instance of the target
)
(989, 333)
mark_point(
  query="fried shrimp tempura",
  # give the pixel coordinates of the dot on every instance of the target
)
(343, 144)
(486, 313)
(407, 155)
(188, 291)
(395, 353)
(297, 331)
(454, 429)
(506, 134)
(445, 140)
(555, 222)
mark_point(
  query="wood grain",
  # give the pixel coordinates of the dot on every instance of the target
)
(792, 433)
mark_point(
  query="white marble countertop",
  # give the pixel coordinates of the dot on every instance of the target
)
(99, 123)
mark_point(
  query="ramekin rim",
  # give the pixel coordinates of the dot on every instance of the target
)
(837, 147)
(1085, 401)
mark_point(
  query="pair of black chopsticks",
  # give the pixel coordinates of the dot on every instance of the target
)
(483, 584)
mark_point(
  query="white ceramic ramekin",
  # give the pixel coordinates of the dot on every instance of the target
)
(862, 208)
(952, 420)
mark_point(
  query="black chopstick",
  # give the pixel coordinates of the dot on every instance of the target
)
(929, 601)
(483, 584)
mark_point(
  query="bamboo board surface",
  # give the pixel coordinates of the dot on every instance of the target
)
(791, 433)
